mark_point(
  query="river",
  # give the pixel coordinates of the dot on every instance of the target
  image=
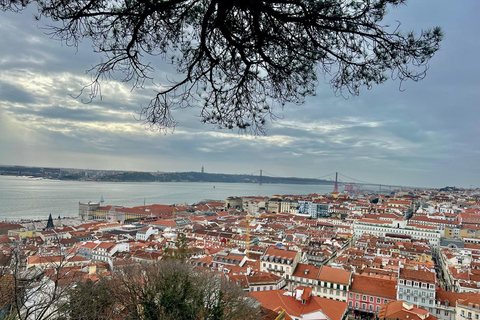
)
(29, 198)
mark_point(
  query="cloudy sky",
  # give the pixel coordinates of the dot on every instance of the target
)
(424, 135)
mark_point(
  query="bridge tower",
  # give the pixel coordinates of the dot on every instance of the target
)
(335, 188)
(261, 171)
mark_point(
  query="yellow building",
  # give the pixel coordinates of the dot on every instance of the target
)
(22, 233)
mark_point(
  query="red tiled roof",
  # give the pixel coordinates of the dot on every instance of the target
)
(334, 275)
(276, 300)
(306, 271)
(374, 286)
(273, 251)
(417, 275)
(397, 310)
(164, 222)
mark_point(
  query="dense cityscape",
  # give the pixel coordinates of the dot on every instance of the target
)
(402, 255)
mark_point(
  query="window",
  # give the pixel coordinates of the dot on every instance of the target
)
(364, 306)
(400, 296)
(264, 264)
(424, 285)
(378, 300)
(331, 291)
(350, 295)
(324, 290)
(350, 303)
(344, 294)
(371, 299)
(401, 281)
(415, 284)
(364, 298)
(356, 305)
(409, 283)
(357, 296)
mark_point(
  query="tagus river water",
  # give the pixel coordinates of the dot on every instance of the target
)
(27, 198)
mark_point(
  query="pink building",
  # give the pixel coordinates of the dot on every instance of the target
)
(369, 293)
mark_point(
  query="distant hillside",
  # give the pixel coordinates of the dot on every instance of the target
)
(205, 177)
(136, 176)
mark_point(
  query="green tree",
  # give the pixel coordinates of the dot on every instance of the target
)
(239, 60)
(92, 300)
(174, 290)
(180, 252)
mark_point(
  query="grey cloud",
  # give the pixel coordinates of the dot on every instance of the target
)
(13, 94)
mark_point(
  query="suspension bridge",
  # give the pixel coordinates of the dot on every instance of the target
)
(338, 180)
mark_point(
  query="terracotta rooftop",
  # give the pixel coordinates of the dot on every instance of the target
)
(417, 275)
(334, 275)
(375, 286)
(306, 271)
(281, 253)
(401, 311)
(277, 300)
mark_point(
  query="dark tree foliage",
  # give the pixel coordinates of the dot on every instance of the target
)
(92, 301)
(239, 60)
(180, 252)
(171, 290)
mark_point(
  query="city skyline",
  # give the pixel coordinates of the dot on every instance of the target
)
(418, 134)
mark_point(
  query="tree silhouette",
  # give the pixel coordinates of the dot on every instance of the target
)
(171, 289)
(239, 60)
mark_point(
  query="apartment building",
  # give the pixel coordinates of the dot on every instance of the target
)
(417, 287)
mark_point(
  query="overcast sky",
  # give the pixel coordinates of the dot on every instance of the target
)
(425, 135)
